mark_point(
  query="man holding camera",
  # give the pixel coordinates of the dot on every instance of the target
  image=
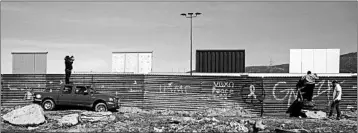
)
(68, 67)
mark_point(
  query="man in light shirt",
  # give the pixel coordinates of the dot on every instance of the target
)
(309, 81)
(337, 96)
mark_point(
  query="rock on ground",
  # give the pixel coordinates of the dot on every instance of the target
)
(69, 120)
(30, 115)
(315, 114)
(233, 111)
(205, 120)
(158, 129)
(131, 110)
(350, 114)
(239, 127)
(259, 125)
(291, 131)
(168, 112)
(182, 120)
(32, 128)
(90, 116)
(251, 122)
(322, 130)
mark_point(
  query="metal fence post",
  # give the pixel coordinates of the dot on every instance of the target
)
(264, 96)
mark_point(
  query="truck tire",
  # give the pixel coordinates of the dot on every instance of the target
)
(48, 105)
(100, 107)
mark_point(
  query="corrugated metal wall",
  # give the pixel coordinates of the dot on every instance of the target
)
(14, 87)
(269, 95)
(280, 93)
(191, 93)
(220, 61)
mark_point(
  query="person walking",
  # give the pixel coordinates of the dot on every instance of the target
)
(309, 81)
(337, 96)
(68, 68)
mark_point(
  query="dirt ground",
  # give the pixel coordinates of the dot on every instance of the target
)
(136, 120)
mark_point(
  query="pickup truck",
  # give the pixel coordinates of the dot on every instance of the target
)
(76, 95)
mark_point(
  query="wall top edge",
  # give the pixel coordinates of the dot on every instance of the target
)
(212, 74)
(220, 50)
(29, 52)
(124, 52)
(317, 49)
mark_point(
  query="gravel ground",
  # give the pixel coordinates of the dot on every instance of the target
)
(137, 120)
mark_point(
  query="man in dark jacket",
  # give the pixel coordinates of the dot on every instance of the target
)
(295, 109)
(68, 64)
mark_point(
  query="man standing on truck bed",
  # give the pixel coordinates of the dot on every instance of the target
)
(68, 64)
(309, 81)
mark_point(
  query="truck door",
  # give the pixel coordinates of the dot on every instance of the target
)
(66, 96)
(80, 98)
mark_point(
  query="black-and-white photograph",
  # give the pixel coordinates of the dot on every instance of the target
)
(179, 66)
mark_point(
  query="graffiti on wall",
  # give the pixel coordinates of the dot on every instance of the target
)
(173, 87)
(129, 90)
(281, 93)
(21, 91)
(252, 93)
(134, 89)
(24, 90)
(223, 89)
(23, 87)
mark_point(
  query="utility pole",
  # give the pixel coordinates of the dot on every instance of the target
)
(271, 64)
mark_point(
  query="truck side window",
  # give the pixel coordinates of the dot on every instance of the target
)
(80, 90)
(67, 90)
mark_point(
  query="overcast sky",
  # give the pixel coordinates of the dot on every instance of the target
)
(91, 31)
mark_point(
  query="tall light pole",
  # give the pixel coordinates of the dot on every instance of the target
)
(191, 16)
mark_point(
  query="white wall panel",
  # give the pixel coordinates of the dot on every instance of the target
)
(145, 63)
(307, 60)
(131, 62)
(118, 62)
(315, 60)
(320, 61)
(295, 61)
(333, 56)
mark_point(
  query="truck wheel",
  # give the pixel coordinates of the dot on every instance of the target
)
(48, 104)
(101, 107)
